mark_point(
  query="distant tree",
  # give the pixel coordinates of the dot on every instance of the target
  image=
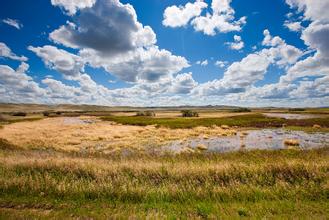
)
(296, 109)
(22, 114)
(146, 113)
(189, 113)
(241, 110)
(46, 114)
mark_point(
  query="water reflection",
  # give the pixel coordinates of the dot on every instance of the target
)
(253, 139)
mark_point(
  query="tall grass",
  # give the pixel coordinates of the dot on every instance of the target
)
(183, 186)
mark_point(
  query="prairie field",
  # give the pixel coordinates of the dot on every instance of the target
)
(113, 164)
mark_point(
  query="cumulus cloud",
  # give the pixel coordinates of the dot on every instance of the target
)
(282, 53)
(118, 30)
(238, 44)
(242, 75)
(68, 64)
(16, 85)
(312, 9)
(121, 45)
(6, 52)
(72, 6)
(293, 26)
(183, 83)
(315, 36)
(12, 22)
(174, 16)
(221, 20)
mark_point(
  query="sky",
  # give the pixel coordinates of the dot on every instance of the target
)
(251, 53)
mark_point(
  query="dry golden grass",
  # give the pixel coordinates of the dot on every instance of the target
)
(252, 184)
(291, 142)
(73, 134)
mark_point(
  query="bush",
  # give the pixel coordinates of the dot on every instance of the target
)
(241, 110)
(146, 113)
(296, 110)
(46, 114)
(189, 113)
(22, 114)
(58, 113)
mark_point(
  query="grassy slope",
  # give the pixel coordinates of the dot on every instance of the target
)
(250, 120)
(255, 184)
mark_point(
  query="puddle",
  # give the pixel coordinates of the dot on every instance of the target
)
(77, 121)
(292, 116)
(253, 139)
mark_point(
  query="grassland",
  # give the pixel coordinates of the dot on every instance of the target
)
(75, 165)
(249, 120)
(255, 184)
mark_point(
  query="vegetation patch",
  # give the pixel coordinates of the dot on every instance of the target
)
(146, 113)
(20, 114)
(249, 120)
(241, 110)
(189, 113)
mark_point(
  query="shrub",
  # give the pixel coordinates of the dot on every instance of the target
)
(58, 113)
(241, 110)
(296, 110)
(146, 113)
(189, 113)
(22, 114)
(2, 118)
(46, 114)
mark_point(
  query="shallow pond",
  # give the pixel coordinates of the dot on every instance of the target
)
(293, 116)
(77, 121)
(252, 139)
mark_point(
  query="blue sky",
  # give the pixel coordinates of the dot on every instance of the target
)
(175, 52)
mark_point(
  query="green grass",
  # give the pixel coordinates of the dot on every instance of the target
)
(250, 120)
(254, 184)
(307, 129)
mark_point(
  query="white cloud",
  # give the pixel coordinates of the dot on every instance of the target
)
(315, 37)
(72, 6)
(271, 41)
(12, 22)
(313, 9)
(220, 63)
(17, 86)
(183, 83)
(174, 16)
(202, 62)
(241, 76)
(68, 64)
(121, 45)
(293, 26)
(238, 44)
(282, 53)
(149, 64)
(221, 19)
(6, 52)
